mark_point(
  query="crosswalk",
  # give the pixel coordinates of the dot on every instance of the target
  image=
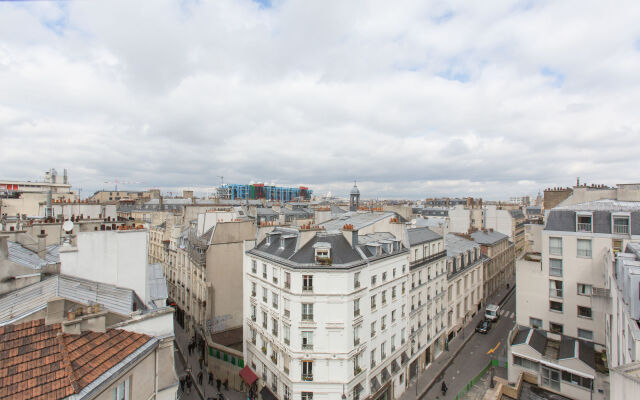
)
(507, 314)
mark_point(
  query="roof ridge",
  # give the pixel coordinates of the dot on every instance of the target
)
(66, 363)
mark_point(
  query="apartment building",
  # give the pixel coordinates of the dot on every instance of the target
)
(326, 313)
(464, 281)
(622, 325)
(427, 297)
(499, 266)
(560, 293)
(506, 220)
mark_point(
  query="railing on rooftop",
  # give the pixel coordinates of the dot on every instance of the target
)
(622, 229)
(584, 227)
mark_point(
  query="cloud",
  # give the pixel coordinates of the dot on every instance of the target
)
(414, 99)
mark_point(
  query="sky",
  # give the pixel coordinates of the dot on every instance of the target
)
(412, 99)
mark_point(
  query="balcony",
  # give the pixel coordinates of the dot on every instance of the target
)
(307, 288)
(356, 313)
(584, 227)
(356, 371)
(621, 229)
(307, 377)
(307, 317)
(307, 346)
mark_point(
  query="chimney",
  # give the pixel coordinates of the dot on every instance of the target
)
(83, 319)
(4, 247)
(42, 244)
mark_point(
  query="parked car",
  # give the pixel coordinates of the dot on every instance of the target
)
(484, 326)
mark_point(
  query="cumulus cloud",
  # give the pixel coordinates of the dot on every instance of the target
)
(414, 99)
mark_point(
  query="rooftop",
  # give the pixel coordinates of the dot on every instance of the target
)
(421, 235)
(38, 361)
(603, 205)
(29, 258)
(359, 220)
(488, 237)
(456, 244)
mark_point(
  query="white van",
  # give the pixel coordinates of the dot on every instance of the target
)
(491, 312)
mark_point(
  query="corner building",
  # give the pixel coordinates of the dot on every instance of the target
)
(326, 314)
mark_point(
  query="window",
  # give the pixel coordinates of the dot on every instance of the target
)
(576, 379)
(585, 334)
(393, 274)
(584, 223)
(621, 225)
(253, 289)
(307, 283)
(555, 288)
(404, 267)
(555, 306)
(402, 332)
(384, 297)
(254, 266)
(121, 392)
(275, 275)
(274, 327)
(307, 372)
(307, 340)
(555, 328)
(287, 393)
(403, 287)
(286, 333)
(584, 289)
(373, 358)
(373, 328)
(555, 267)
(535, 323)
(384, 277)
(383, 350)
(253, 313)
(307, 311)
(373, 279)
(393, 316)
(287, 280)
(356, 307)
(383, 323)
(551, 378)
(274, 382)
(555, 246)
(584, 248)
(525, 363)
(356, 280)
(274, 297)
(307, 395)
(287, 307)
(584, 312)
(265, 292)
(264, 271)
(393, 292)
(373, 302)
(356, 334)
(265, 320)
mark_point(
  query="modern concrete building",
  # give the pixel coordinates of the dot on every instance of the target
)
(499, 266)
(464, 281)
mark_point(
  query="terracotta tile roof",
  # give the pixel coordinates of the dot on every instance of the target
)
(38, 361)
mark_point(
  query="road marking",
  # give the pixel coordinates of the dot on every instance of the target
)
(494, 349)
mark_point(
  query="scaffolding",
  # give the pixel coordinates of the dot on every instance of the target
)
(261, 191)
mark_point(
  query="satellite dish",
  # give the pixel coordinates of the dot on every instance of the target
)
(67, 226)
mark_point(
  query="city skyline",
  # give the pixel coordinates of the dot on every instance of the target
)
(421, 100)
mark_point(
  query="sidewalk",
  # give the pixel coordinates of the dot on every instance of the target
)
(434, 371)
(198, 392)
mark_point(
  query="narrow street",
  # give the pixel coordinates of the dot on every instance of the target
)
(476, 354)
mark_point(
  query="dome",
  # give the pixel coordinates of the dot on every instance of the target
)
(355, 190)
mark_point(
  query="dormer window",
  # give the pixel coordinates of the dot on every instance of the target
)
(322, 252)
(268, 240)
(282, 243)
(583, 223)
(621, 224)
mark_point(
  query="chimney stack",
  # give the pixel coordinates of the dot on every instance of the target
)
(42, 244)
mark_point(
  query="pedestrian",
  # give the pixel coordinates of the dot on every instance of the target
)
(200, 361)
(189, 385)
(218, 384)
(210, 378)
(444, 388)
(182, 385)
(226, 384)
(200, 378)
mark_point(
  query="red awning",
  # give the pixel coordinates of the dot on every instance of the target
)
(248, 376)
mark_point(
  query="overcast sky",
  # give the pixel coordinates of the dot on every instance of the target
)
(412, 98)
